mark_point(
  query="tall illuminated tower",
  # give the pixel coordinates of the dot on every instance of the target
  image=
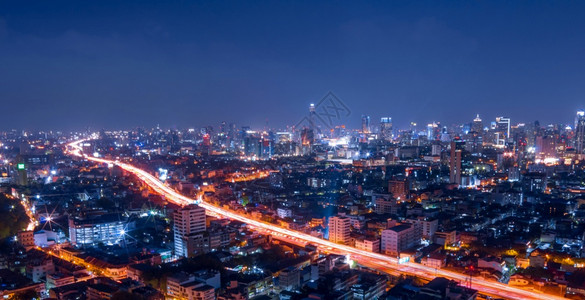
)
(502, 130)
(455, 164)
(580, 131)
(386, 128)
(312, 115)
(477, 125)
(365, 124)
(187, 220)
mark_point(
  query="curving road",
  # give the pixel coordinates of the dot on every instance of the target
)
(378, 261)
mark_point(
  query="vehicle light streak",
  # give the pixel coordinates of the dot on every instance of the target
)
(33, 222)
(379, 261)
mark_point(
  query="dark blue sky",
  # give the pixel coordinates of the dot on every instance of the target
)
(68, 65)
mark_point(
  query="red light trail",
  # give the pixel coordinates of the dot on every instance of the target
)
(374, 260)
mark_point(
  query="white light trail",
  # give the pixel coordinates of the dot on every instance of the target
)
(375, 259)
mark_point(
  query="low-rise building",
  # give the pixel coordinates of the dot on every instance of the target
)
(446, 238)
(368, 244)
(289, 279)
(105, 228)
(12, 283)
(59, 279)
(398, 238)
(434, 260)
(26, 239)
(38, 269)
(185, 286)
(492, 263)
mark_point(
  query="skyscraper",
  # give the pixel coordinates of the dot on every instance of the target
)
(22, 178)
(223, 127)
(312, 117)
(434, 131)
(365, 124)
(477, 125)
(386, 128)
(307, 137)
(580, 131)
(189, 219)
(455, 164)
(502, 130)
(474, 139)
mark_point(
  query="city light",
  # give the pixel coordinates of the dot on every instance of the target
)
(248, 149)
(378, 260)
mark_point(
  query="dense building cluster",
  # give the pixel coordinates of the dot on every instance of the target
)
(500, 201)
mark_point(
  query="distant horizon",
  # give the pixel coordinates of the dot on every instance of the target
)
(374, 124)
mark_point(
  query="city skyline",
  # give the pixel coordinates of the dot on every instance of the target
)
(120, 65)
(356, 124)
(502, 205)
(291, 150)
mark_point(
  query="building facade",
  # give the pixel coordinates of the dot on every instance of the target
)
(108, 229)
(339, 229)
(187, 220)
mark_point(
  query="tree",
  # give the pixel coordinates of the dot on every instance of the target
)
(26, 295)
(14, 218)
(123, 295)
(577, 278)
(105, 203)
(537, 273)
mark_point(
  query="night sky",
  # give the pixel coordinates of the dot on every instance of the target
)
(104, 64)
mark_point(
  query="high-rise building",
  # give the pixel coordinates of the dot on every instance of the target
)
(339, 229)
(455, 164)
(474, 142)
(386, 128)
(312, 117)
(580, 132)
(502, 130)
(187, 220)
(434, 131)
(266, 147)
(365, 124)
(22, 176)
(252, 145)
(307, 137)
(223, 127)
(545, 146)
(386, 206)
(436, 149)
(477, 125)
(424, 227)
(399, 188)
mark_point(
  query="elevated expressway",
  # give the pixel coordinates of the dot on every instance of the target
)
(377, 261)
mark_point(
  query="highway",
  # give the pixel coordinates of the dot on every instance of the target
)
(375, 260)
